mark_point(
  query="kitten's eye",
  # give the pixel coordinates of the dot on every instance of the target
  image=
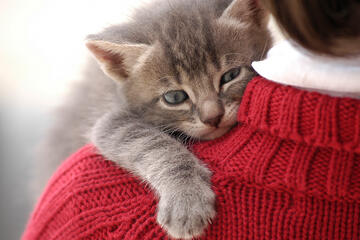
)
(230, 75)
(175, 97)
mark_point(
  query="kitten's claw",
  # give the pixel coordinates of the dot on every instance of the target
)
(186, 213)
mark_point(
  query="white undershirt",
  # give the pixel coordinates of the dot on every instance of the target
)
(294, 66)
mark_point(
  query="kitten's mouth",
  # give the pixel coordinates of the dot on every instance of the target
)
(218, 132)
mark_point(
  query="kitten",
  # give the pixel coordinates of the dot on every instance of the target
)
(178, 70)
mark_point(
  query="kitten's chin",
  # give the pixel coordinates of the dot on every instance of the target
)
(216, 133)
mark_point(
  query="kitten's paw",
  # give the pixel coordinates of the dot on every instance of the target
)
(186, 213)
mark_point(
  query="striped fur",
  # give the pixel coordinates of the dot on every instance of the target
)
(180, 45)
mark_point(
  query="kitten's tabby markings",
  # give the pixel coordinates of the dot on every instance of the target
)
(178, 69)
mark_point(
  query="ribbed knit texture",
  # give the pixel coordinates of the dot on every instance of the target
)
(289, 170)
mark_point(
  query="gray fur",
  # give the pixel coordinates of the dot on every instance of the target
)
(182, 181)
(191, 45)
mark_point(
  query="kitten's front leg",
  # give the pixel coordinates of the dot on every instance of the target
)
(187, 203)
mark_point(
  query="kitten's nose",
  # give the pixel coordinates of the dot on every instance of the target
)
(211, 112)
(214, 122)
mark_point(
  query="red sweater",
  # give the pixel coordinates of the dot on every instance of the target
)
(290, 170)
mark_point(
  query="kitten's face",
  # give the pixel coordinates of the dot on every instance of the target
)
(192, 87)
(191, 79)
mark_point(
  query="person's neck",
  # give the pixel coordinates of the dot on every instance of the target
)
(294, 66)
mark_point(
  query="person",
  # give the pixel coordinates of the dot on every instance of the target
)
(289, 170)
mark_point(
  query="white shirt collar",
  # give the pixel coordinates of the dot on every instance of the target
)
(290, 65)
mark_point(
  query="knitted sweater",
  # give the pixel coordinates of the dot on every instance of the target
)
(289, 170)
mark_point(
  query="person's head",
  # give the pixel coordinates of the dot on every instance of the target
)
(323, 26)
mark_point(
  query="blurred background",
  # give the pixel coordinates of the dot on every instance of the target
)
(41, 53)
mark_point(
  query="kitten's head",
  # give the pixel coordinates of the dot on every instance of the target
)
(192, 76)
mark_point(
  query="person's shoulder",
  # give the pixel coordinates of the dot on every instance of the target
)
(86, 192)
(87, 171)
(85, 167)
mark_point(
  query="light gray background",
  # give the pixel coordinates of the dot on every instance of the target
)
(41, 53)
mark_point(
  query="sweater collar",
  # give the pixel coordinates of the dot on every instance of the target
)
(310, 117)
(297, 67)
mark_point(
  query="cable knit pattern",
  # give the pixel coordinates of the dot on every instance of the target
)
(289, 170)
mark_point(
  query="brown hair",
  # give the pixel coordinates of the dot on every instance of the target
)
(323, 26)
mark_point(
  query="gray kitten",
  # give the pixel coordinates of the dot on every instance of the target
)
(178, 70)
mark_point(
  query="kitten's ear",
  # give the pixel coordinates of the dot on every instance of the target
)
(116, 60)
(246, 11)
